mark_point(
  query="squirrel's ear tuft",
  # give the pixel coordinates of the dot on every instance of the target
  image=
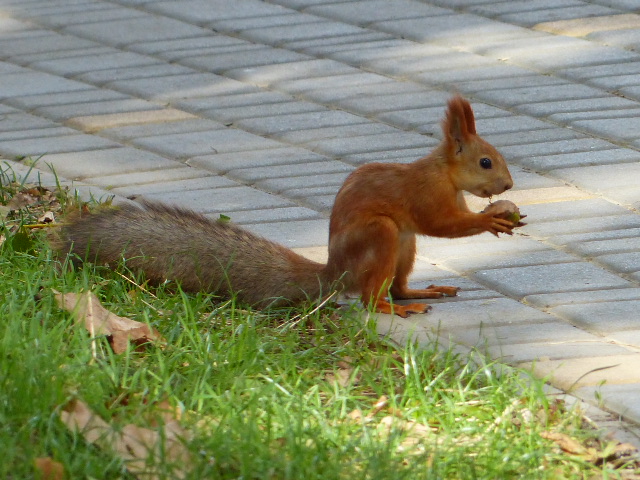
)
(459, 122)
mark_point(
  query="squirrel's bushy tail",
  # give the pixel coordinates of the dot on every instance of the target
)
(199, 253)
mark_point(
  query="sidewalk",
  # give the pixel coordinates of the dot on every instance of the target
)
(259, 110)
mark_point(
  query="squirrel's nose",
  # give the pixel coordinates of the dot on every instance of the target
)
(508, 185)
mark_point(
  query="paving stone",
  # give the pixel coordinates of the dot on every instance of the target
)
(625, 128)
(34, 83)
(582, 25)
(384, 103)
(601, 247)
(445, 28)
(269, 74)
(253, 174)
(476, 87)
(555, 148)
(493, 10)
(92, 163)
(206, 182)
(221, 200)
(583, 225)
(86, 16)
(328, 47)
(499, 72)
(374, 11)
(34, 147)
(285, 214)
(602, 178)
(300, 233)
(191, 144)
(222, 163)
(436, 58)
(34, 58)
(546, 135)
(177, 87)
(302, 121)
(325, 89)
(156, 126)
(176, 48)
(36, 133)
(538, 93)
(547, 300)
(282, 109)
(370, 143)
(94, 123)
(31, 102)
(547, 108)
(567, 211)
(205, 11)
(255, 57)
(443, 249)
(359, 86)
(343, 131)
(489, 335)
(626, 338)
(593, 236)
(472, 264)
(534, 17)
(621, 399)
(102, 77)
(281, 184)
(628, 262)
(628, 38)
(581, 159)
(572, 374)
(522, 281)
(82, 64)
(554, 52)
(601, 318)
(216, 102)
(588, 72)
(305, 193)
(119, 33)
(286, 33)
(168, 173)
(534, 352)
(40, 41)
(62, 113)
(401, 155)
(14, 122)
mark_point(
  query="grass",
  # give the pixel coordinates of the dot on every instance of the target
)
(279, 395)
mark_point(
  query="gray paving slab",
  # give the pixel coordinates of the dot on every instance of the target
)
(191, 144)
(601, 318)
(260, 109)
(519, 282)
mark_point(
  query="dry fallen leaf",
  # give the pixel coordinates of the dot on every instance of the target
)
(142, 449)
(49, 469)
(87, 309)
(47, 217)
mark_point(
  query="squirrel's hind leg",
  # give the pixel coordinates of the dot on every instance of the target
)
(404, 265)
(375, 265)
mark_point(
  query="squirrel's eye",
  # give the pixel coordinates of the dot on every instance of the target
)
(485, 163)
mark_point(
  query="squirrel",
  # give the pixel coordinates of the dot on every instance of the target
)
(372, 233)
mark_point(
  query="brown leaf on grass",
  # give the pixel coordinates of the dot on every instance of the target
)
(571, 446)
(21, 200)
(142, 449)
(49, 469)
(87, 309)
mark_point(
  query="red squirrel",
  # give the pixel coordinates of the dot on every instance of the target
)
(372, 234)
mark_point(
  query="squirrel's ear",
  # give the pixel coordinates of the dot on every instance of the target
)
(459, 123)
